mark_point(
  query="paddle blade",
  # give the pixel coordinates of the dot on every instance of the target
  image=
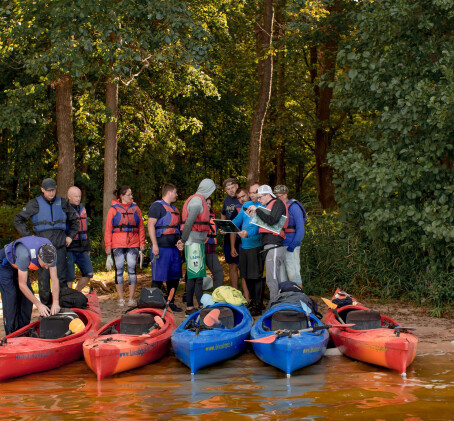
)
(305, 308)
(159, 321)
(172, 293)
(329, 303)
(212, 318)
(404, 328)
(266, 340)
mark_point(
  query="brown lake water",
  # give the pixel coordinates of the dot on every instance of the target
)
(336, 388)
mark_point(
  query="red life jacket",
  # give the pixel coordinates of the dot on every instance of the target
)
(125, 220)
(83, 225)
(202, 222)
(170, 222)
(211, 236)
(282, 233)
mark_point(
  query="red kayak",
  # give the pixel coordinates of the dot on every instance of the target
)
(375, 338)
(129, 342)
(24, 352)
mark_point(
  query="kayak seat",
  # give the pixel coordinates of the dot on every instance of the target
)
(136, 323)
(288, 319)
(226, 316)
(364, 319)
(57, 325)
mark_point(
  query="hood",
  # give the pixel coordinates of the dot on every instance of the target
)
(206, 188)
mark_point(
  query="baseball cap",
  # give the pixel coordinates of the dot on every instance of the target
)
(49, 184)
(265, 189)
(48, 254)
(280, 188)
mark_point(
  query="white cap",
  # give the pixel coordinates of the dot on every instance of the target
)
(265, 189)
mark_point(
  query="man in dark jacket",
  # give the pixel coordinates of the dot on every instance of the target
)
(78, 252)
(271, 213)
(49, 214)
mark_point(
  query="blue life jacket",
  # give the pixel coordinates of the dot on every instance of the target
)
(49, 216)
(170, 222)
(126, 220)
(83, 225)
(291, 220)
(32, 243)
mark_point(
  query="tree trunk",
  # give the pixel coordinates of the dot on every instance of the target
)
(65, 135)
(264, 35)
(110, 149)
(280, 93)
(323, 62)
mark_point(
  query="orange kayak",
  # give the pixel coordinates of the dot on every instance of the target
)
(24, 352)
(375, 338)
(113, 351)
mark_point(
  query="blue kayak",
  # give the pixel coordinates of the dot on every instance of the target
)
(292, 350)
(198, 345)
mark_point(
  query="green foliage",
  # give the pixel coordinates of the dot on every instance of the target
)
(397, 184)
(334, 253)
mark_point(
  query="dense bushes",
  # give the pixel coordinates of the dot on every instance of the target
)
(335, 254)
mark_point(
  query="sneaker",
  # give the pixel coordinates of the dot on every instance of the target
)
(131, 302)
(192, 311)
(175, 308)
(121, 303)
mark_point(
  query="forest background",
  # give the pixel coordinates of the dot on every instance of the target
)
(349, 103)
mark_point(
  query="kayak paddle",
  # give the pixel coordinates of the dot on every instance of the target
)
(333, 307)
(212, 318)
(270, 339)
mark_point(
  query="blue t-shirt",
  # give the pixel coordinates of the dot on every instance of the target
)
(243, 222)
(157, 211)
(229, 207)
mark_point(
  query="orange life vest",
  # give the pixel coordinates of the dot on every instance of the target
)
(202, 222)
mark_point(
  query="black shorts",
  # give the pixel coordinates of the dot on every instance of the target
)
(251, 263)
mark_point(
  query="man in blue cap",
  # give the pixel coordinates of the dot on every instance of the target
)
(49, 214)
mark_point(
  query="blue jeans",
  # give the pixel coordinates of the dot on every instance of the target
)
(119, 257)
(83, 262)
(17, 309)
(291, 268)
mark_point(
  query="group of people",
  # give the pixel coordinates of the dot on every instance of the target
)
(251, 249)
(60, 241)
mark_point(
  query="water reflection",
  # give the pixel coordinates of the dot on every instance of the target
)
(244, 388)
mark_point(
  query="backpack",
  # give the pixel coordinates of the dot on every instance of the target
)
(72, 298)
(151, 298)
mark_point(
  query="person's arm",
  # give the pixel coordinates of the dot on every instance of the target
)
(298, 217)
(108, 231)
(276, 212)
(195, 206)
(55, 290)
(72, 219)
(141, 231)
(152, 234)
(22, 280)
(30, 209)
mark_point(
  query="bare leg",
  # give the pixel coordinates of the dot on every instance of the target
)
(233, 272)
(245, 290)
(83, 282)
(119, 291)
